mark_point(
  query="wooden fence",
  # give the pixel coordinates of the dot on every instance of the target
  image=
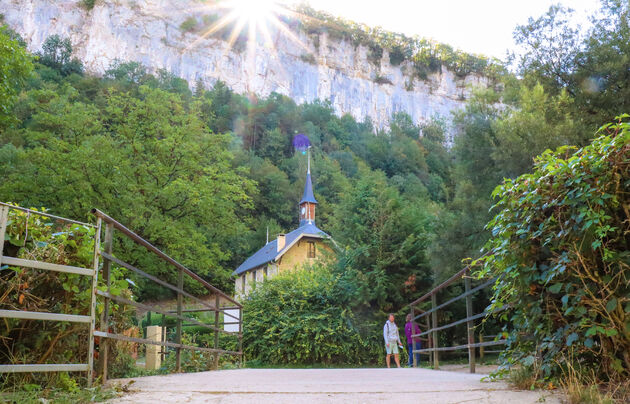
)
(102, 263)
(433, 327)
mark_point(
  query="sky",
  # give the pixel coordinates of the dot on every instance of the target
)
(476, 26)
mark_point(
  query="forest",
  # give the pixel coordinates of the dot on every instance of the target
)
(204, 173)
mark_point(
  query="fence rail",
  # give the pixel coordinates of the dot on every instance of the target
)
(108, 258)
(433, 329)
(43, 316)
(103, 258)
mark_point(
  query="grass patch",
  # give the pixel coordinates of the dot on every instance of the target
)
(31, 393)
(581, 386)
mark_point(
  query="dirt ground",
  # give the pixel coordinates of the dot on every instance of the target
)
(326, 386)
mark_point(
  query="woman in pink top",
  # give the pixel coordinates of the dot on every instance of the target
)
(410, 329)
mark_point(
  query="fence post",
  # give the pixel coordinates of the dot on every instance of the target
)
(103, 345)
(240, 336)
(413, 340)
(163, 348)
(178, 350)
(470, 325)
(215, 366)
(436, 361)
(429, 341)
(97, 242)
(4, 218)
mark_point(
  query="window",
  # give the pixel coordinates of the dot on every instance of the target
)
(311, 249)
(254, 278)
(266, 271)
(243, 283)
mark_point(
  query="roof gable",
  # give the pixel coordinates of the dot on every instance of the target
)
(270, 251)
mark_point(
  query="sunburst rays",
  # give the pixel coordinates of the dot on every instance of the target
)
(258, 18)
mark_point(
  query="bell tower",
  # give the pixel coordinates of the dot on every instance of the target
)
(308, 202)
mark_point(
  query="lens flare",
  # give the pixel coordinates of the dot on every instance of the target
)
(255, 11)
(255, 19)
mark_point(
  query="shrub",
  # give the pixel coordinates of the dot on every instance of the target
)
(560, 249)
(382, 79)
(88, 4)
(308, 58)
(375, 54)
(188, 25)
(305, 317)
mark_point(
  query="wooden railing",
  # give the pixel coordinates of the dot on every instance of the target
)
(107, 257)
(45, 316)
(434, 328)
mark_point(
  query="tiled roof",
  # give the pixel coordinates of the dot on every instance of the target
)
(270, 252)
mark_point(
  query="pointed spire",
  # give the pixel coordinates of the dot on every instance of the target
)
(308, 195)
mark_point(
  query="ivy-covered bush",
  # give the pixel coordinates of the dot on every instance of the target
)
(561, 249)
(306, 317)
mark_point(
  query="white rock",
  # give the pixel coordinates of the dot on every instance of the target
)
(147, 31)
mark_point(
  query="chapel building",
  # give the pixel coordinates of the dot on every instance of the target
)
(288, 251)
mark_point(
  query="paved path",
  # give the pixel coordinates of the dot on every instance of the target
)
(325, 386)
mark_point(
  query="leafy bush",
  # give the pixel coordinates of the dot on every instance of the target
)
(306, 317)
(378, 79)
(88, 4)
(560, 249)
(308, 58)
(189, 24)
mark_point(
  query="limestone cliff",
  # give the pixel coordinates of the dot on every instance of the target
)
(149, 32)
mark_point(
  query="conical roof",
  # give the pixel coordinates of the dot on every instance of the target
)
(308, 196)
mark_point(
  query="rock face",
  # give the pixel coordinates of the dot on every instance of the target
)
(148, 31)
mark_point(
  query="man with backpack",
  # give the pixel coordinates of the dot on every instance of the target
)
(392, 340)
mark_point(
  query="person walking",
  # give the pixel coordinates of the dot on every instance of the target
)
(392, 340)
(412, 342)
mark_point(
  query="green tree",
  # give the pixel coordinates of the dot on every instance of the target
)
(150, 162)
(15, 68)
(57, 54)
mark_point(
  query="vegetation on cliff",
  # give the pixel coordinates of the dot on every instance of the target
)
(424, 56)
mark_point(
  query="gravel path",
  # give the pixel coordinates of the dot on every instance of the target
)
(325, 386)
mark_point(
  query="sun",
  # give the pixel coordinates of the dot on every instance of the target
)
(258, 19)
(254, 11)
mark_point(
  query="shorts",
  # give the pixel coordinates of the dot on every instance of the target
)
(392, 348)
